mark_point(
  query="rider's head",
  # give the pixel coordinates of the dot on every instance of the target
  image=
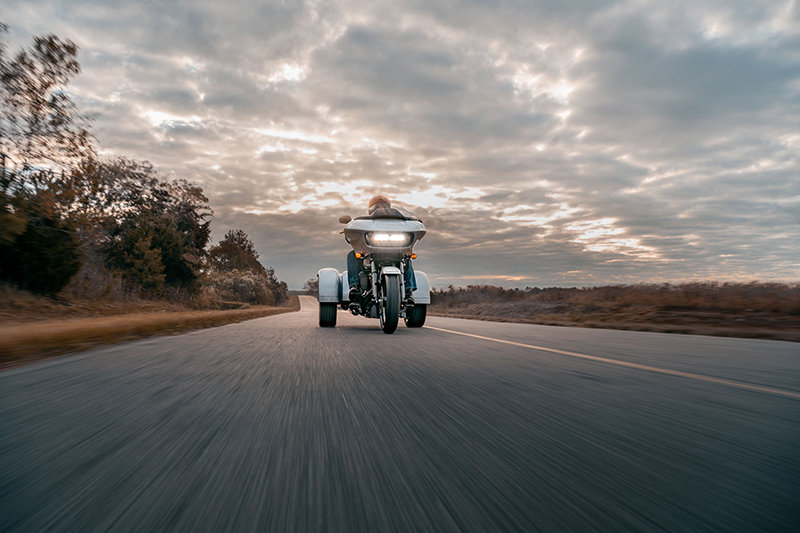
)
(377, 200)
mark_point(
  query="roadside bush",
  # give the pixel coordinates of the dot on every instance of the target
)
(242, 286)
(44, 257)
(94, 281)
(236, 255)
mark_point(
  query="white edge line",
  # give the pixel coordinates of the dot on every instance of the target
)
(679, 373)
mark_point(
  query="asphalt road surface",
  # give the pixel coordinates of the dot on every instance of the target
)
(278, 425)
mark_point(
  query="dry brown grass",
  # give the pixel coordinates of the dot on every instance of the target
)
(760, 310)
(26, 341)
(21, 306)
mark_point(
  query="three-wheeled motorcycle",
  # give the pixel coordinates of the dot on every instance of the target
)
(383, 243)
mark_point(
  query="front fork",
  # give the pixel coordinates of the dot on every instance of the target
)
(376, 278)
(374, 282)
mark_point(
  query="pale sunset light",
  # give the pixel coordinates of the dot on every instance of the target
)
(589, 139)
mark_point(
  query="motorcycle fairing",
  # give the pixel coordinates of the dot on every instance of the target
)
(356, 230)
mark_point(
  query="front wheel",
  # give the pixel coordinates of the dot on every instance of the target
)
(415, 316)
(327, 315)
(390, 304)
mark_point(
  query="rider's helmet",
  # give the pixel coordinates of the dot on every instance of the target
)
(379, 199)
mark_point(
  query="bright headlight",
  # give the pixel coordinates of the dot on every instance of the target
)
(388, 239)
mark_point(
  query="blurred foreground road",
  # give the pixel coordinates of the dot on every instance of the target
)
(277, 425)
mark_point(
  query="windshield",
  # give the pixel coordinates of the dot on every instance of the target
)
(395, 211)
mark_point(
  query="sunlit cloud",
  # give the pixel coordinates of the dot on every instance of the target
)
(603, 236)
(492, 277)
(542, 215)
(289, 72)
(161, 119)
(293, 135)
(331, 195)
(578, 143)
(439, 196)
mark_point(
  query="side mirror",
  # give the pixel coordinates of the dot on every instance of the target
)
(345, 219)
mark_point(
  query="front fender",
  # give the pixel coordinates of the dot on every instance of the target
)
(390, 271)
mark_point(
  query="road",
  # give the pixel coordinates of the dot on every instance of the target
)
(278, 425)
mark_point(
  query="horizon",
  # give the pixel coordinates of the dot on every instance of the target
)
(600, 144)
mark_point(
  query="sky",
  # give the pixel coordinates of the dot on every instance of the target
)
(542, 143)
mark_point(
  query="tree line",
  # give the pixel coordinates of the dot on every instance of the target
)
(72, 220)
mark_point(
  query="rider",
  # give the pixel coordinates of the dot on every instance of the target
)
(379, 205)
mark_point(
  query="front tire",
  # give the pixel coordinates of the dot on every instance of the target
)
(390, 312)
(327, 315)
(415, 317)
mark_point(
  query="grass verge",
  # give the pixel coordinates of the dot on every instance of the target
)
(737, 331)
(753, 309)
(28, 342)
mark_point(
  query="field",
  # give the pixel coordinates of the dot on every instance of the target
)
(758, 310)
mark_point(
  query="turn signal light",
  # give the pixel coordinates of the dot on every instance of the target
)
(359, 255)
(413, 256)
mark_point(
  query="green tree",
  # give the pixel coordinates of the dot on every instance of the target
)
(143, 266)
(41, 135)
(235, 265)
(235, 252)
(279, 288)
(44, 257)
(171, 216)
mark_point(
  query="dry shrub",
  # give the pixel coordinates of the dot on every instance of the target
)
(473, 294)
(780, 298)
(94, 281)
(703, 296)
(239, 286)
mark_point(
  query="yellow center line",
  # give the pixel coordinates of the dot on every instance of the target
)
(699, 377)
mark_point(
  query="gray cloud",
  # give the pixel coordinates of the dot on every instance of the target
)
(542, 142)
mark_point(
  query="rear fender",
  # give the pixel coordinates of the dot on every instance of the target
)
(344, 286)
(328, 285)
(423, 293)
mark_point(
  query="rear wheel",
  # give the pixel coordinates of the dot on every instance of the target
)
(415, 317)
(327, 315)
(390, 304)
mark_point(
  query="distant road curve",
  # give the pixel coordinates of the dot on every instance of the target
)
(278, 425)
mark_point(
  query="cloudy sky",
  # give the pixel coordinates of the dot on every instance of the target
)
(542, 142)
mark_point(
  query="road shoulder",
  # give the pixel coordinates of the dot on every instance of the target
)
(26, 343)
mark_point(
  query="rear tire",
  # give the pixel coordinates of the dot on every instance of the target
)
(415, 317)
(327, 315)
(390, 314)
